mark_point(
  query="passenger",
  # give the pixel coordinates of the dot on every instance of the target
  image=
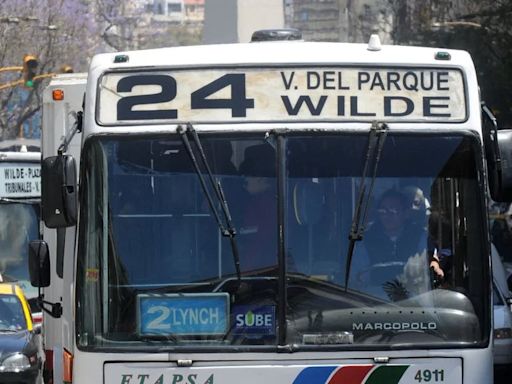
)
(440, 246)
(501, 232)
(395, 250)
(390, 238)
(418, 206)
(258, 243)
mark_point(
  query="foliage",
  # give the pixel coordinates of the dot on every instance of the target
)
(480, 27)
(169, 36)
(57, 32)
(118, 21)
(82, 28)
(496, 81)
(69, 32)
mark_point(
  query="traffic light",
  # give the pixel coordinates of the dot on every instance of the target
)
(66, 69)
(29, 70)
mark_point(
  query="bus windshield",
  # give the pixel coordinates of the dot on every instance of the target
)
(156, 271)
(19, 223)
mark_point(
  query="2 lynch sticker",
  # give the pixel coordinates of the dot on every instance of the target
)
(287, 94)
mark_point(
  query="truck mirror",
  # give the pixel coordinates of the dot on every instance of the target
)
(58, 193)
(39, 263)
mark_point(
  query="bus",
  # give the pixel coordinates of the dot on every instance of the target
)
(20, 202)
(229, 221)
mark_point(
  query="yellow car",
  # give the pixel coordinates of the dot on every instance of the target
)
(20, 343)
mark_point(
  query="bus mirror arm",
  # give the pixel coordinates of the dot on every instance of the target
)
(55, 310)
(76, 128)
(491, 149)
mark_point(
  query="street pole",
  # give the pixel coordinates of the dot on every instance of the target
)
(21, 82)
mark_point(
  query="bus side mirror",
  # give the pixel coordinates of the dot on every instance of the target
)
(39, 263)
(504, 174)
(498, 153)
(59, 191)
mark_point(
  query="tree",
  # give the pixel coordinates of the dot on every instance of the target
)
(127, 25)
(57, 32)
(68, 32)
(496, 63)
(118, 21)
(478, 26)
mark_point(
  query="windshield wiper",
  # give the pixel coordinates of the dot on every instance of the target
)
(376, 139)
(227, 230)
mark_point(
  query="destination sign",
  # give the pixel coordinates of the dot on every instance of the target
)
(183, 314)
(286, 94)
(20, 180)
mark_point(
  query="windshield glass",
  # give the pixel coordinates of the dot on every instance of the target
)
(154, 268)
(19, 223)
(12, 317)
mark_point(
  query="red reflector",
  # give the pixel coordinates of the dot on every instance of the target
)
(58, 94)
(67, 367)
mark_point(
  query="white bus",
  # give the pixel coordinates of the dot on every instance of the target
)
(230, 218)
(20, 203)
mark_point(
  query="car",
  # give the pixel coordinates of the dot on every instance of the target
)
(33, 302)
(20, 343)
(502, 346)
(501, 233)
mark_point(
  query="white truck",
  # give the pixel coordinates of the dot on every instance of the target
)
(63, 102)
(228, 222)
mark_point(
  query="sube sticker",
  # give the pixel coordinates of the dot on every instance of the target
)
(249, 319)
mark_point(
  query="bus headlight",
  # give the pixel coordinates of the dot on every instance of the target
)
(15, 363)
(503, 333)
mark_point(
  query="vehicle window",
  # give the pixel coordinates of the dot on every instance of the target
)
(158, 265)
(419, 208)
(12, 317)
(18, 225)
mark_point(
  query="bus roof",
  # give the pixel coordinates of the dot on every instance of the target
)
(277, 52)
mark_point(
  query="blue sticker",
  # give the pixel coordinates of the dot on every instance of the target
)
(254, 320)
(183, 314)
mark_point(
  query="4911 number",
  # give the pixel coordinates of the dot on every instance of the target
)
(428, 375)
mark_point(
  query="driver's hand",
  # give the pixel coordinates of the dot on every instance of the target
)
(434, 264)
